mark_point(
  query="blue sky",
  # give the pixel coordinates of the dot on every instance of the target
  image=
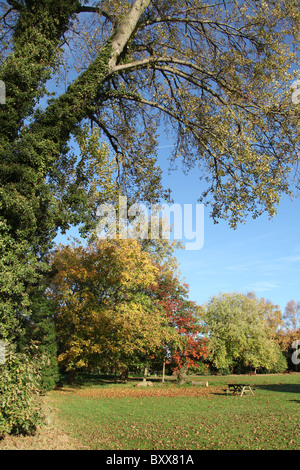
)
(261, 255)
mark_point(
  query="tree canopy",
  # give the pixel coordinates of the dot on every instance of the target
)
(217, 74)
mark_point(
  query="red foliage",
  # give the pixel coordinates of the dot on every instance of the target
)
(182, 315)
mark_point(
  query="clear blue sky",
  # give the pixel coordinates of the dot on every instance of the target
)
(261, 255)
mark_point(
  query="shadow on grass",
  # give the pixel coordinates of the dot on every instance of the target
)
(93, 380)
(88, 380)
(283, 388)
(279, 387)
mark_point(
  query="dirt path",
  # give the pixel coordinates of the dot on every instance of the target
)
(48, 437)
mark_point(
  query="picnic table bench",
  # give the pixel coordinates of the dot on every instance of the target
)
(239, 388)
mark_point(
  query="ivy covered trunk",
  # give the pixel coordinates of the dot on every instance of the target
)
(30, 214)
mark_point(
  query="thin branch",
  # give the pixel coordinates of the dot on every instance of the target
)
(192, 80)
(113, 140)
(171, 60)
(6, 13)
(172, 19)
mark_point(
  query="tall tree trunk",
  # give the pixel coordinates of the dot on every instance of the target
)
(145, 373)
(164, 370)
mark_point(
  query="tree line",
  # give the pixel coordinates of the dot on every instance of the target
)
(114, 307)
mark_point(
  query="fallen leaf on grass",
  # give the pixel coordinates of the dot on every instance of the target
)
(149, 392)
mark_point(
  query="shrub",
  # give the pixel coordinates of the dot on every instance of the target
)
(20, 408)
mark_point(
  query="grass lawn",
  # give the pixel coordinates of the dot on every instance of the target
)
(107, 416)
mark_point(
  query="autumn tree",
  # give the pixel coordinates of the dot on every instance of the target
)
(182, 315)
(217, 74)
(240, 335)
(105, 316)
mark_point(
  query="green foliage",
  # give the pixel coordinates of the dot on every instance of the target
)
(240, 334)
(18, 269)
(20, 409)
(279, 364)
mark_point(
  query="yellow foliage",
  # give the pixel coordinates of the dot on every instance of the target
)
(104, 311)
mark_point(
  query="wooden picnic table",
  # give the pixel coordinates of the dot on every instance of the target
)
(238, 387)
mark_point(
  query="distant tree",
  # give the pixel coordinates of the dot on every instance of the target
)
(240, 336)
(291, 316)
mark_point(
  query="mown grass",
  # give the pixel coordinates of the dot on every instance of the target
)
(172, 417)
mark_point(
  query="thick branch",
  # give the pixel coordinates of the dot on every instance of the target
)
(88, 9)
(126, 29)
